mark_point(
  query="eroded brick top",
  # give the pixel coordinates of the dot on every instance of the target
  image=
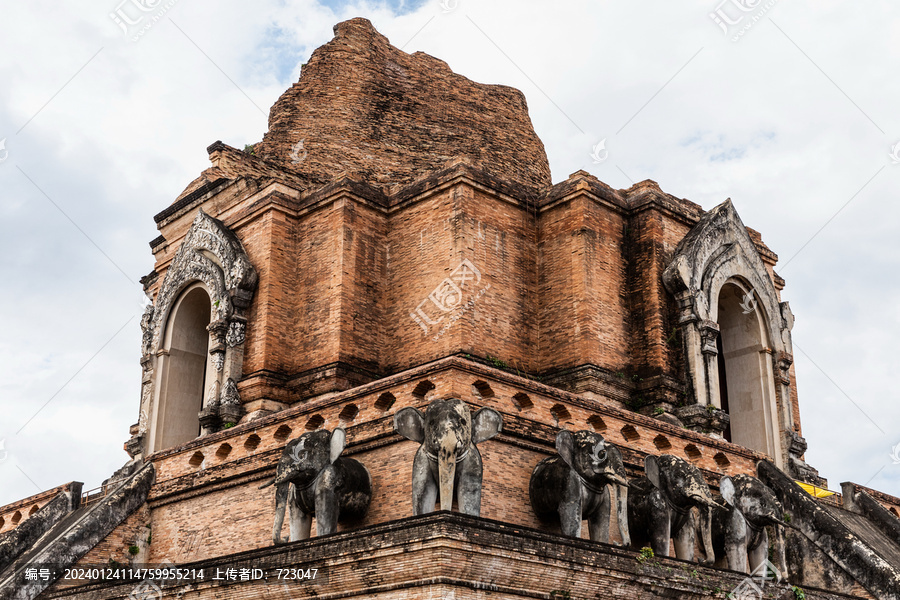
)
(365, 108)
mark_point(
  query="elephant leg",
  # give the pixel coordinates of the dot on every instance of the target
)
(327, 502)
(468, 485)
(569, 505)
(737, 558)
(660, 537)
(759, 553)
(598, 522)
(622, 514)
(424, 488)
(282, 491)
(735, 533)
(660, 524)
(300, 522)
(685, 534)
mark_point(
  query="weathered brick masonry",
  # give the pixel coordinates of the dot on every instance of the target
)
(407, 244)
(352, 241)
(447, 555)
(197, 490)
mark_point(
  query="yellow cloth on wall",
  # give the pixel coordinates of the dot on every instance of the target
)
(815, 492)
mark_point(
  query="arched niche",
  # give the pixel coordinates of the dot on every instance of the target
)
(182, 368)
(715, 262)
(210, 262)
(746, 382)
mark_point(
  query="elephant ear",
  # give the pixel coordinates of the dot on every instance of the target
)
(616, 464)
(651, 470)
(726, 488)
(410, 423)
(565, 445)
(337, 443)
(486, 423)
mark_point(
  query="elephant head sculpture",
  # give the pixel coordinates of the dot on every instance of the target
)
(314, 480)
(660, 507)
(574, 485)
(447, 459)
(739, 528)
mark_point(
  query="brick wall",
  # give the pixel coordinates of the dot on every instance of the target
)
(569, 279)
(208, 489)
(448, 555)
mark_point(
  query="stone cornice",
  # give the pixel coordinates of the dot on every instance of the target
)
(471, 367)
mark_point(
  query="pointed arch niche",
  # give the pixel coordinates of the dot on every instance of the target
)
(736, 332)
(193, 339)
(183, 364)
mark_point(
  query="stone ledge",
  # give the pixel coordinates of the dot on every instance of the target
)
(474, 368)
(36, 498)
(449, 550)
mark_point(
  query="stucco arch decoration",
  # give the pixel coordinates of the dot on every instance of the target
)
(716, 251)
(212, 255)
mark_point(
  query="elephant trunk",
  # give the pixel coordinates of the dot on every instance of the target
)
(447, 469)
(706, 505)
(772, 518)
(622, 513)
(706, 516)
(610, 475)
(704, 501)
(778, 556)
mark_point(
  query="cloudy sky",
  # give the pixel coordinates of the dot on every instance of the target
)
(788, 108)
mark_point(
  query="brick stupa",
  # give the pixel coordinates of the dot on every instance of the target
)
(362, 106)
(413, 248)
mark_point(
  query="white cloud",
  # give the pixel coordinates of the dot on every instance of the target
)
(756, 120)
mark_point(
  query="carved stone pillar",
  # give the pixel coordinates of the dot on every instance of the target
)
(688, 320)
(234, 339)
(230, 408)
(709, 333)
(217, 332)
(210, 420)
(135, 445)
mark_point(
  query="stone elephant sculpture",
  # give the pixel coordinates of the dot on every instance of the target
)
(314, 480)
(739, 527)
(574, 485)
(448, 458)
(660, 507)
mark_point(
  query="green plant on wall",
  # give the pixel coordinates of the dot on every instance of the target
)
(133, 550)
(496, 362)
(673, 336)
(637, 403)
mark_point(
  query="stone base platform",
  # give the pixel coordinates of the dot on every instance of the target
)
(448, 555)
